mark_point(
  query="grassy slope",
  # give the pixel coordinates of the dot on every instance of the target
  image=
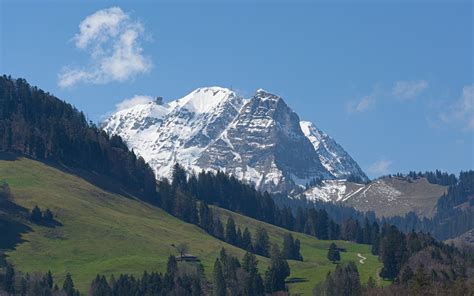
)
(111, 234)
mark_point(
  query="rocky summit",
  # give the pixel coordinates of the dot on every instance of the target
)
(260, 139)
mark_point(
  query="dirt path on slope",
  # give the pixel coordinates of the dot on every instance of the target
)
(362, 258)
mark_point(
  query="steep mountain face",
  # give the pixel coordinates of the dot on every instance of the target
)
(332, 156)
(258, 140)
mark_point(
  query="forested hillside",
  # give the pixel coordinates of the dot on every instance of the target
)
(37, 124)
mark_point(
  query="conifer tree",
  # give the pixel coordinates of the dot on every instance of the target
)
(219, 285)
(230, 233)
(277, 272)
(36, 215)
(48, 216)
(68, 286)
(333, 253)
(261, 242)
(247, 240)
(253, 285)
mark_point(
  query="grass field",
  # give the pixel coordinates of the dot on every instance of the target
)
(108, 233)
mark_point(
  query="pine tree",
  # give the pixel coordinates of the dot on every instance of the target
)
(247, 240)
(253, 284)
(36, 215)
(219, 280)
(291, 247)
(261, 242)
(68, 286)
(49, 279)
(179, 178)
(172, 266)
(218, 229)
(48, 216)
(333, 253)
(230, 233)
(277, 272)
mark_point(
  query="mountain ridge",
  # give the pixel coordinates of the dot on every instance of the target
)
(260, 139)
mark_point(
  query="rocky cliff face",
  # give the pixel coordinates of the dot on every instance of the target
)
(258, 140)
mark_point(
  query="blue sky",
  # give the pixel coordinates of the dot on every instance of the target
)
(392, 82)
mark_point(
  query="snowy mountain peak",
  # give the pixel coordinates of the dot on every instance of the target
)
(264, 95)
(259, 140)
(203, 100)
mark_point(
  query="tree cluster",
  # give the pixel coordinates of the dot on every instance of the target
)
(291, 247)
(37, 124)
(39, 217)
(344, 281)
(230, 277)
(36, 284)
(180, 198)
(180, 279)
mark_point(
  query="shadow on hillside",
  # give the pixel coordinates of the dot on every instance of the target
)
(11, 226)
(103, 182)
(294, 280)
(50, 224)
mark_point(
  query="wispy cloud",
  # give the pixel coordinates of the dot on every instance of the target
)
(364, 104)
(113, 42)
(380, 167)
(409, 89)
(401, 90)
(133, 101)
(462, 111)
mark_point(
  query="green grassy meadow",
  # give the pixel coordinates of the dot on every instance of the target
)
(108, 233)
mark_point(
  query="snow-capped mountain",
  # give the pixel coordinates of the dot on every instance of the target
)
(258, 140)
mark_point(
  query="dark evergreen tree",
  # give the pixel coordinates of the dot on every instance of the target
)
(206, 219)
(291, 248)
(247, 240)
(48, 278)
(219, 280)
(48, 216)
(100, 287)
(36, 216)
(230, 233)
(172, 266)
(218, 229)
(262, 245)
(68, 286)
(344, 281)
(393, 252)
(253, 283)
(277, 272)
(333, 253)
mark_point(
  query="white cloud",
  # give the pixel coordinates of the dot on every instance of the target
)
(364, 104)
(113, 41)
(380, 167)
(402, 90)
(409, 89)
(462, 111)
(135, 100)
